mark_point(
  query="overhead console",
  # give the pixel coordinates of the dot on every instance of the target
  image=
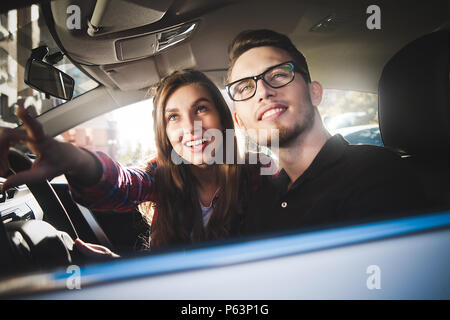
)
(112, 47)
(152, 43)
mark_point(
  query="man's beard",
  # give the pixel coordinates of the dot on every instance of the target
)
(287, 135)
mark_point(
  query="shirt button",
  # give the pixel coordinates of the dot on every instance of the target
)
(284, 204)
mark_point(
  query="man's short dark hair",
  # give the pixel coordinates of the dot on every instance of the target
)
(250, 39)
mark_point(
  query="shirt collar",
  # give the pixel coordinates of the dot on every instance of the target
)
(331, 152)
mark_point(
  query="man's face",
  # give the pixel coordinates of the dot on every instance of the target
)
(288, 109)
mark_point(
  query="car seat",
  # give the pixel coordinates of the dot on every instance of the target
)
(414, 111)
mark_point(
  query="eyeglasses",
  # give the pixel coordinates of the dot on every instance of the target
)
(275, 77)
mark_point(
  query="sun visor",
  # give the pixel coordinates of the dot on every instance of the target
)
(133, 75)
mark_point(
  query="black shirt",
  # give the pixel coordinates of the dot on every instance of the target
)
(343, 183)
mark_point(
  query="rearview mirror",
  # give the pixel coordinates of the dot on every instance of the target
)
(48, 79)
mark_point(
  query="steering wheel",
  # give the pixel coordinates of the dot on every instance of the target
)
(42, 241)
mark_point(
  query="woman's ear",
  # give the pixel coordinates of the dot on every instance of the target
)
(315, 92)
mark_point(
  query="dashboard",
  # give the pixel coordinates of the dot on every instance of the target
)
(19, 204)
(35, 244)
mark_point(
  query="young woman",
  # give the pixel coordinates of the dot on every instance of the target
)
(202, 197)
(194, 200)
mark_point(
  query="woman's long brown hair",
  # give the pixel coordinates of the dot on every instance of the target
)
(178, 214)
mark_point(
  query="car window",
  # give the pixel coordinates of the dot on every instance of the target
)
(15, 49)
(352, 114)
(125, 134)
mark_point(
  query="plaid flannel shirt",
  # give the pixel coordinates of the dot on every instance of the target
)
(120, 188)
(123, 188)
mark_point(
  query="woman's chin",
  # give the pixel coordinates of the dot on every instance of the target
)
(200, 160)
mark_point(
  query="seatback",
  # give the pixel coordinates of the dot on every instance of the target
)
(414, 111)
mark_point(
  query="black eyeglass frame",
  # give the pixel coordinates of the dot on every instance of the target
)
(261, 76)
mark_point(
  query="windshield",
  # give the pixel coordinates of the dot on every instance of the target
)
(20, 31)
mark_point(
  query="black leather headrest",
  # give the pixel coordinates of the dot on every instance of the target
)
(414, 107)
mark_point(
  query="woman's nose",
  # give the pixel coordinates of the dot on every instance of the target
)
(192, 125)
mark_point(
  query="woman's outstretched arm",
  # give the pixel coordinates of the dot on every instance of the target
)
(53, 157)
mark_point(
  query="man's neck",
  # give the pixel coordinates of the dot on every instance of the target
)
(296, 157)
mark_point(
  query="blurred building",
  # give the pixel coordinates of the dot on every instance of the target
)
(99, 134)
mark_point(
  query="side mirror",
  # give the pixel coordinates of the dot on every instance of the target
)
(48, 79)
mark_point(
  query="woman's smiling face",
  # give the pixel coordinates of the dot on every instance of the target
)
(189, 113)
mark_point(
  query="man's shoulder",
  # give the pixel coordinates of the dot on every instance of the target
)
(338, 151)
(371, 155)
(365, 150)
(374, 162)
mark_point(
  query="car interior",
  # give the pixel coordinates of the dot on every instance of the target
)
(124, 47)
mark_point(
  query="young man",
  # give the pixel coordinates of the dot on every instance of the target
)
(323, 180)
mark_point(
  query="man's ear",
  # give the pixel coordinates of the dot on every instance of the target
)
(238, 120)
(315, 91)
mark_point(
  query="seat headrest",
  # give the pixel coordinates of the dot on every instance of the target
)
(413, 96)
